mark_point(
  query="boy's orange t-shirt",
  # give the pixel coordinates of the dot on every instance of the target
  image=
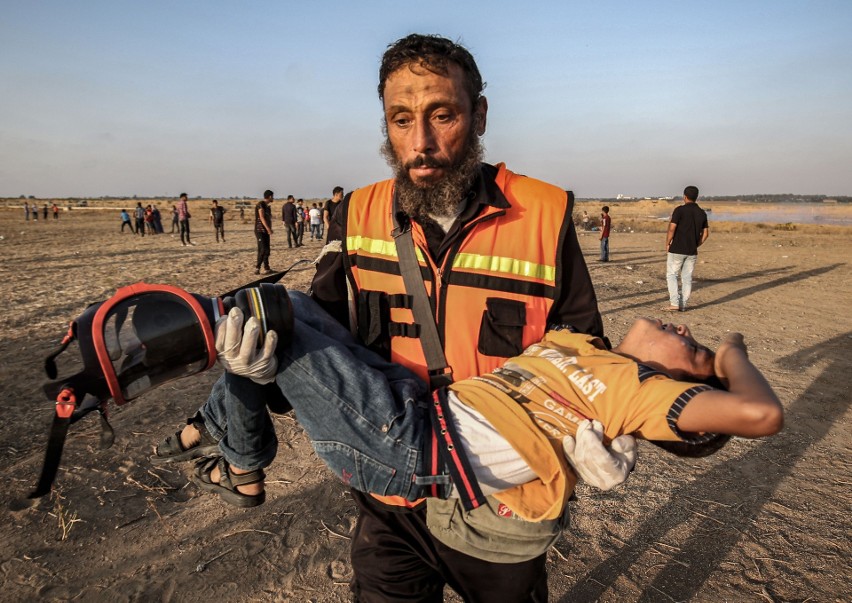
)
(538, 398)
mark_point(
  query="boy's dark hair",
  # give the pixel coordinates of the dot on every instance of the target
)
(336, 189)
(183, 195)
(691, 193)
(605, 209)
(433, 53)
(268, 194)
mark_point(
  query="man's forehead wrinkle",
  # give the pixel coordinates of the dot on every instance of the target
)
(423, 66)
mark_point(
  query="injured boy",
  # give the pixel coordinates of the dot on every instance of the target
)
(510, 433)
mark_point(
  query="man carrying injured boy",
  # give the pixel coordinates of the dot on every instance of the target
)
(512, 434)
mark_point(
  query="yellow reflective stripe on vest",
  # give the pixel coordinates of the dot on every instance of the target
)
(376, 247)
(495, 264)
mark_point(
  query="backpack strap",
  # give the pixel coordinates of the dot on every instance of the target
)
(440, 374)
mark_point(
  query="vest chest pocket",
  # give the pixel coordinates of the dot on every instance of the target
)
(501, 332)
(373, 321)
(375, 327)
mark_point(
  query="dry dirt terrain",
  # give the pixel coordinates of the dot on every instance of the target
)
(762, 520)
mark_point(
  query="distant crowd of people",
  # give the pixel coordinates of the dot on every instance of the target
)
(149, 220)
(297, 218)
(33, 210)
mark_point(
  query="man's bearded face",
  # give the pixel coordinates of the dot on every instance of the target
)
(433, 129)
(441, 197)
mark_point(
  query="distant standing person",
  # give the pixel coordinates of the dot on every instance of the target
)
(217, 217)
(45, 211)
(149, 220)
(55, 209)
(139, 214)
(27, 211)
(125, 220)
(606, 224)
(315, 216)
(158, 220)
(290, 216)
(263, 229)
(586, 220)
(301, 216)
(175, 223)
(183, 220)
(331, 205)
(687, 232)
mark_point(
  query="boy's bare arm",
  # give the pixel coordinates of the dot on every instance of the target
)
(749, 408)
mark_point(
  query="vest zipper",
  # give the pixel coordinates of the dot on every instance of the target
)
(446, 268)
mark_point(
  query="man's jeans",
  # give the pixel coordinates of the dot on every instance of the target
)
(316, 231)
(367, 417)
(605, 249)
(292, 235)
(683, 265)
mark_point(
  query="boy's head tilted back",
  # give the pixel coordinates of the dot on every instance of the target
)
(668, 347)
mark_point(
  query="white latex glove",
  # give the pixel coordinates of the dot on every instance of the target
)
(237, 348)
(597, 465)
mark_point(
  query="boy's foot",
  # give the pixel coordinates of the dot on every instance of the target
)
(671, 309)
(189, 443)
(236, 486)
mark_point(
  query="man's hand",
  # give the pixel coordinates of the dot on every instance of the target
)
(237, 348)
(599, 466)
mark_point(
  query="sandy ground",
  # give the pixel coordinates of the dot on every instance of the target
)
(765, 520)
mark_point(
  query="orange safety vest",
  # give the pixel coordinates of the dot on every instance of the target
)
(491, 294)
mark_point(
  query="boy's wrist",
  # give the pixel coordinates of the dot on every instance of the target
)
(728, 357)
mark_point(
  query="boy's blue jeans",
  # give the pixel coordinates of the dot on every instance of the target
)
(367, 417)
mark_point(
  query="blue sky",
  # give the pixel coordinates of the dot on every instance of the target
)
(232, 98)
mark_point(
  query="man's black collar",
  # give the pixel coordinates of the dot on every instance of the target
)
(483, 193)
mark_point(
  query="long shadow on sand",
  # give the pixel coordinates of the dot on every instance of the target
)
(744, 292)
(682, 578)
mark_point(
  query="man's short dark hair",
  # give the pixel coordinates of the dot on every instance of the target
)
(605, 209)
(691, 193)
(268, 194)
(433, 53)
(291, 197)
(183, 195)
(215, 201)
(336, 189)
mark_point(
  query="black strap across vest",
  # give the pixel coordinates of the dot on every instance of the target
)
(440, 373)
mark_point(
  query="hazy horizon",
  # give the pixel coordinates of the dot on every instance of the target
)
(217, 99)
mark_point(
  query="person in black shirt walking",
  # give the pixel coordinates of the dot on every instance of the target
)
(262, 230)
(217, 217)
(290, 217)
(687, 232)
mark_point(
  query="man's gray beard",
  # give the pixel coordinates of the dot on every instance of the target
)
(441, 198)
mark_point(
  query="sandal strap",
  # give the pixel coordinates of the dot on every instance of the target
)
(197, 421)
(232, 480)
